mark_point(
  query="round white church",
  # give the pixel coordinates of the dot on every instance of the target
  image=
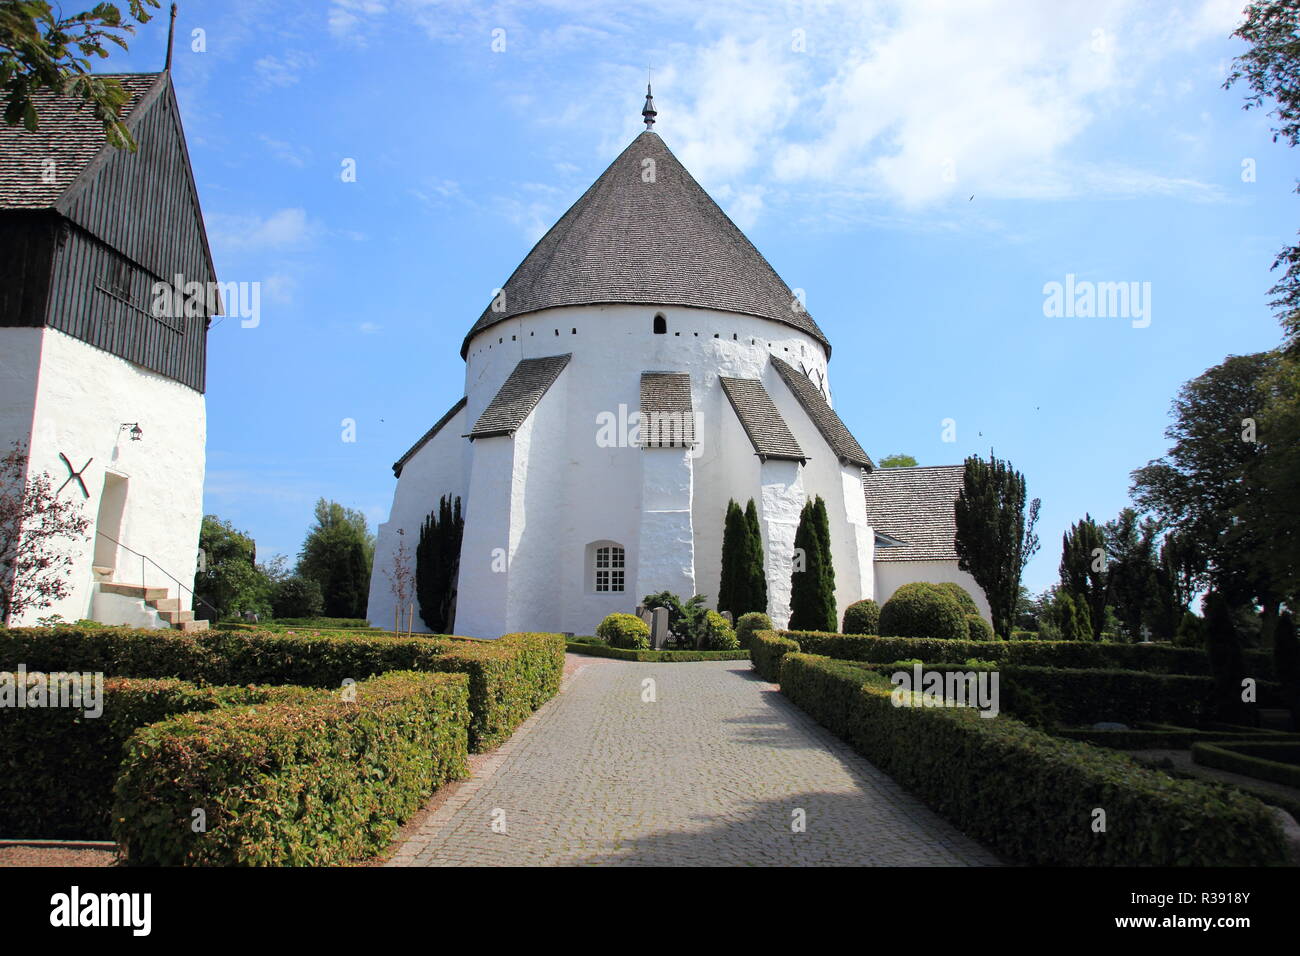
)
(642, 366)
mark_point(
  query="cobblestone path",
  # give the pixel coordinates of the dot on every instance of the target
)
(713, 771)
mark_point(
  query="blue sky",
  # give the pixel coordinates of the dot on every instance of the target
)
(921, 170)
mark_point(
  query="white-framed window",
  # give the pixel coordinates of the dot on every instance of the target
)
(608, 570)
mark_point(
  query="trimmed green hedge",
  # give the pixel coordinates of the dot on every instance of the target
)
(509, 677)
(1155, 658)
(1027, 795)
(57, 766)
(1077, 695)
(1153, 738)
(1278, 761)
(314, 782)
(766, 649)
(662, 657)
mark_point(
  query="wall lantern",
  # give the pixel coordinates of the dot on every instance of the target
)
(136, 431)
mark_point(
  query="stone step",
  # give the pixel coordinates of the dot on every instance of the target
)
(166, 604)
(188, 627)
(134, 590)
(177, 616)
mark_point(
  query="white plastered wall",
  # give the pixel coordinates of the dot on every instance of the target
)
(82, 397)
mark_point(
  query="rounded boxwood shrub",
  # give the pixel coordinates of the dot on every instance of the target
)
(749, 623)
(923, 610)
(980, 629)
(961, 595)
(716, 634)
(625, 630)
(861, 617)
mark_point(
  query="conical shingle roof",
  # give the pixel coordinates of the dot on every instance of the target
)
(647, 233)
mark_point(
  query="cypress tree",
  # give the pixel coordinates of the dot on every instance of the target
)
(437, 565)
(733, 587)
(809, 608)
(757, 570)
(828, 565)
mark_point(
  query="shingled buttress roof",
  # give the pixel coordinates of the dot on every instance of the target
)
(915, 506)
(517, 398)
(767, 430)
(647, 233)
(667, 417)
(427, 437)
(832, 429)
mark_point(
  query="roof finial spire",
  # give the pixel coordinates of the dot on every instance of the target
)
(171, 34)
(648, 111)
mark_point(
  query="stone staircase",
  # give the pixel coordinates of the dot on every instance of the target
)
(168, 608)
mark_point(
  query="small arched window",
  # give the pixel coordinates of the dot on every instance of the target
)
(608, 570)
(661, 324)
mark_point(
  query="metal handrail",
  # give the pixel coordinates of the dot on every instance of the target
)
(144, 557)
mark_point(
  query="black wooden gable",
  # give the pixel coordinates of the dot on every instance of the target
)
(87, 231)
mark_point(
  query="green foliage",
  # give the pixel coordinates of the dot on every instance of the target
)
(1069, 617)
(437, 565)
(960, 595)
(1278, 762)
(296, 597)
(684, 619)
(1223, 644)
(812, 580)
(743, 584)
(509, 677)
(979, 629)
(747, 624)
(922, 610)
(337, 554)
(716, 634)
(766, 648)
(995, 536)
(757, 565)
(71, 796)
(1206, 488)
(317, 781)
(41, 49)
(624, 630)
(1152, 658)
(862, 617)
(961, 765)
(230, 579)
(1286, 663)
(1191, 631)
(1083, 571)
(1271, 68)
(897, 461)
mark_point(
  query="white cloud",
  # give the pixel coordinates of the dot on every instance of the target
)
(285, 70)
(284, 228)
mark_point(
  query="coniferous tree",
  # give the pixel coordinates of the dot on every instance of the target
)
(995, 534)
(437, 565)
(1083, 569)
(812, 608)
(757, 569)
(1223, 644)
(823, 525)
(733, 585)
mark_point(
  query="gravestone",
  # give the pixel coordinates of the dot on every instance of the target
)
(727, 615)
(659, 628)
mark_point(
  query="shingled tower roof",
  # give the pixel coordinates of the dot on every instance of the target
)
(647, 233)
